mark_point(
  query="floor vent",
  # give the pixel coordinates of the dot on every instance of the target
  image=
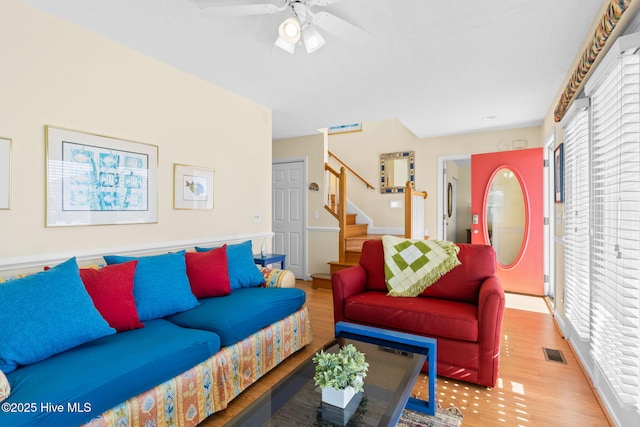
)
(553, 355)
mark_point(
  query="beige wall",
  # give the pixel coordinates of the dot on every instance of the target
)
(54, 73)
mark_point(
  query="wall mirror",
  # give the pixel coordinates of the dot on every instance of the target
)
(395, 170)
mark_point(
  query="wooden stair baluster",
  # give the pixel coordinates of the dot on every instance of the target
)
(351, 235)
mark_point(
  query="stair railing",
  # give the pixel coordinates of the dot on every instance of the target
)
(337, 204)
(414, 212)
(351, 170)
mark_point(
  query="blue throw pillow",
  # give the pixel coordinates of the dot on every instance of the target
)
(161, 285)
(243, 272)
(44, 314)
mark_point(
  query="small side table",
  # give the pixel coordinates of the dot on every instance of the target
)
(270, 259)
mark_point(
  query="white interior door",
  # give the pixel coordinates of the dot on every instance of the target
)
(288, 179)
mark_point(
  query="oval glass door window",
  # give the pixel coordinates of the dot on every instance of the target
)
(506, 216)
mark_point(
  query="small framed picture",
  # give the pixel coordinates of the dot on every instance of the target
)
(559, 174)
(351, 127)
(192, 187)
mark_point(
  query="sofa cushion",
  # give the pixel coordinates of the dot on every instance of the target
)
(46, 313)
(243, 272)
(243, 312)
(5, 387)
(372, 260)
(161, 286)
(208, 273)
(111, 290)
(477, 262)
(106, 372)
(421, 316)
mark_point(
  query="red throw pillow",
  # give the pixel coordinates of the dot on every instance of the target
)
(208, 273)
(111, 289)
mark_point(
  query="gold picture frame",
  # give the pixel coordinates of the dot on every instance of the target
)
(192, 187)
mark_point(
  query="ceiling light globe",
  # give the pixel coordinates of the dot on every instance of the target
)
(312, 39)
(289, 30)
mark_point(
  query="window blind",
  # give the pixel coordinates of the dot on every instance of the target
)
(615, 220)
(576, 208)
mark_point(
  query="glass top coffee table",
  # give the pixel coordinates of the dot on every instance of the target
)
(395, 360)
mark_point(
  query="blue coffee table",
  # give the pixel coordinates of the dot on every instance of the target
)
(403, 342)
(395, 361)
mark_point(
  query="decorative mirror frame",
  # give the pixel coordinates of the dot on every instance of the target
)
(410, 156)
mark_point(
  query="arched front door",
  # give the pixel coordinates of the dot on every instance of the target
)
(507, 213)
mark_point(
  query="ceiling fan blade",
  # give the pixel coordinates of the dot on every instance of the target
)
(339, 27)
(238, 10)
(321, 2)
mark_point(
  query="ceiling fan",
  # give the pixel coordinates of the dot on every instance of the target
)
(299, 25)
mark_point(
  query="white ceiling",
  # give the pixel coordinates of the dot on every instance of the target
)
(440, 67)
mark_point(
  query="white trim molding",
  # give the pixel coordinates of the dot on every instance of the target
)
(89, 255)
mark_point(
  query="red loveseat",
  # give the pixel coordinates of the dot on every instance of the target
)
(463, 310)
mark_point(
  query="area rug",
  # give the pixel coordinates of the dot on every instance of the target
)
(447, 417)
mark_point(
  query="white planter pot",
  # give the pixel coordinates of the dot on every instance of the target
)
(339, 398)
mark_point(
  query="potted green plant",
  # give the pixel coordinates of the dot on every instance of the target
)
(340, 375)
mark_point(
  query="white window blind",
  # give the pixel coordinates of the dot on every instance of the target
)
(576, 212)
(615, 219)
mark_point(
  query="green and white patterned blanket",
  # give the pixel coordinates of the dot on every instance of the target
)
(410, 266)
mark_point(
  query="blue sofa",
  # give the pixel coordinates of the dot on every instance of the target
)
(175, 370)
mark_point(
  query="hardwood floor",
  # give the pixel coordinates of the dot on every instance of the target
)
(531, 391)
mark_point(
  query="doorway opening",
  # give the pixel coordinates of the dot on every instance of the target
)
(454, 198)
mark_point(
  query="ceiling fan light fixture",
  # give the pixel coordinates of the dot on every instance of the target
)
(285, 45)
(289, 30)
(313, 40)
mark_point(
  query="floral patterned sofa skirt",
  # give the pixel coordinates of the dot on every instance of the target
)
(188, 399)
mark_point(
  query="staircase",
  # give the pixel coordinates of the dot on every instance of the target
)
(355, 236)
(352, 235)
